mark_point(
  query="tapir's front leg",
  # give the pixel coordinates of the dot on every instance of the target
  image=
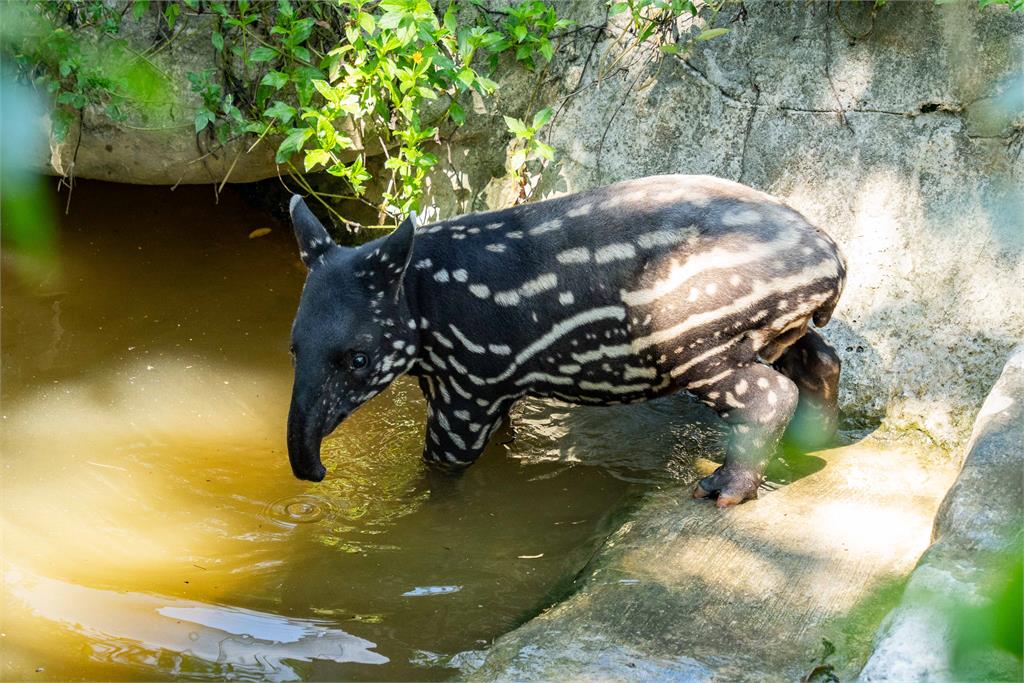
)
(458, 428)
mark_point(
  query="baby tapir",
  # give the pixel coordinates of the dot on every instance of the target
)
(615, 295)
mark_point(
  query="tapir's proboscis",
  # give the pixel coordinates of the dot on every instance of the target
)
(615, 295)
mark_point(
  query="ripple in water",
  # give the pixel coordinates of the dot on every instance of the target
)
(293, 510)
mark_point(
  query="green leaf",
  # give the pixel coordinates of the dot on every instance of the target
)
(617, 8)
(545, 151)
(262, 54)
(218, 40)
(330, 93)
(542, 117)
(139, 7)
(516, 126)
(204, 117)
(670, 49)
(449, 21)
(301, 30)
(711, 33)
(280, 111)
(366, 22)
(275, 79)
(292, 144)
(466, 76)
(485, 85)
(315, 157)
(171, 13)
(545, 49)
(519, 32)
(457, 114)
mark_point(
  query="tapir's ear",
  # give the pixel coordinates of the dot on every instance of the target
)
(309, 232)
(395, 254)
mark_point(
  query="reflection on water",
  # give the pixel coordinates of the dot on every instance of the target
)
(144, 631)
(151, 524)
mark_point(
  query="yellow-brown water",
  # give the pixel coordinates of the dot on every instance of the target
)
(152, 528)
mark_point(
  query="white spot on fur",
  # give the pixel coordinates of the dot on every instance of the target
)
(577, 255)
(639, 373)
(742, 217)
(509, 298)
(541, 283)
(614, 252)
(546, 226)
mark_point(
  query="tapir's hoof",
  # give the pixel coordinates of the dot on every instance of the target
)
(729, 485)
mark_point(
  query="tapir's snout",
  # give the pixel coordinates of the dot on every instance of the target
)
(305, 432)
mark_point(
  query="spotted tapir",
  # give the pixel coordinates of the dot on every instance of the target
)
(615, 295)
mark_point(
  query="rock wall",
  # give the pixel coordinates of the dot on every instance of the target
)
(900, 134)
(904, 144)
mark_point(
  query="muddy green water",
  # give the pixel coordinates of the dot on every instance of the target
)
(151, 526)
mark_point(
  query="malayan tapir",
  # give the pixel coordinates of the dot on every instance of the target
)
(615, 295)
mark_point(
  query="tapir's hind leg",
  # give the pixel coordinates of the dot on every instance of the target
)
(757, 402)
(814, 366)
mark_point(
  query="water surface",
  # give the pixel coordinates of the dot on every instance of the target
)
(151, 525)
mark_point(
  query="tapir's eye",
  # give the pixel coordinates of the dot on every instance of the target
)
(360, 360)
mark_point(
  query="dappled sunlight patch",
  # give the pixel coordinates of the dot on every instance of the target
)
(156, 451)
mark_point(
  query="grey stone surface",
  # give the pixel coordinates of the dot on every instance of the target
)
(892, 142)
(980, 520)
(682, 591)
(157, 144)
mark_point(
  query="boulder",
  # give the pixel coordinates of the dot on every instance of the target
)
(977, 532)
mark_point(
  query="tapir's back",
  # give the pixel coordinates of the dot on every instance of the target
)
(620, 289)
